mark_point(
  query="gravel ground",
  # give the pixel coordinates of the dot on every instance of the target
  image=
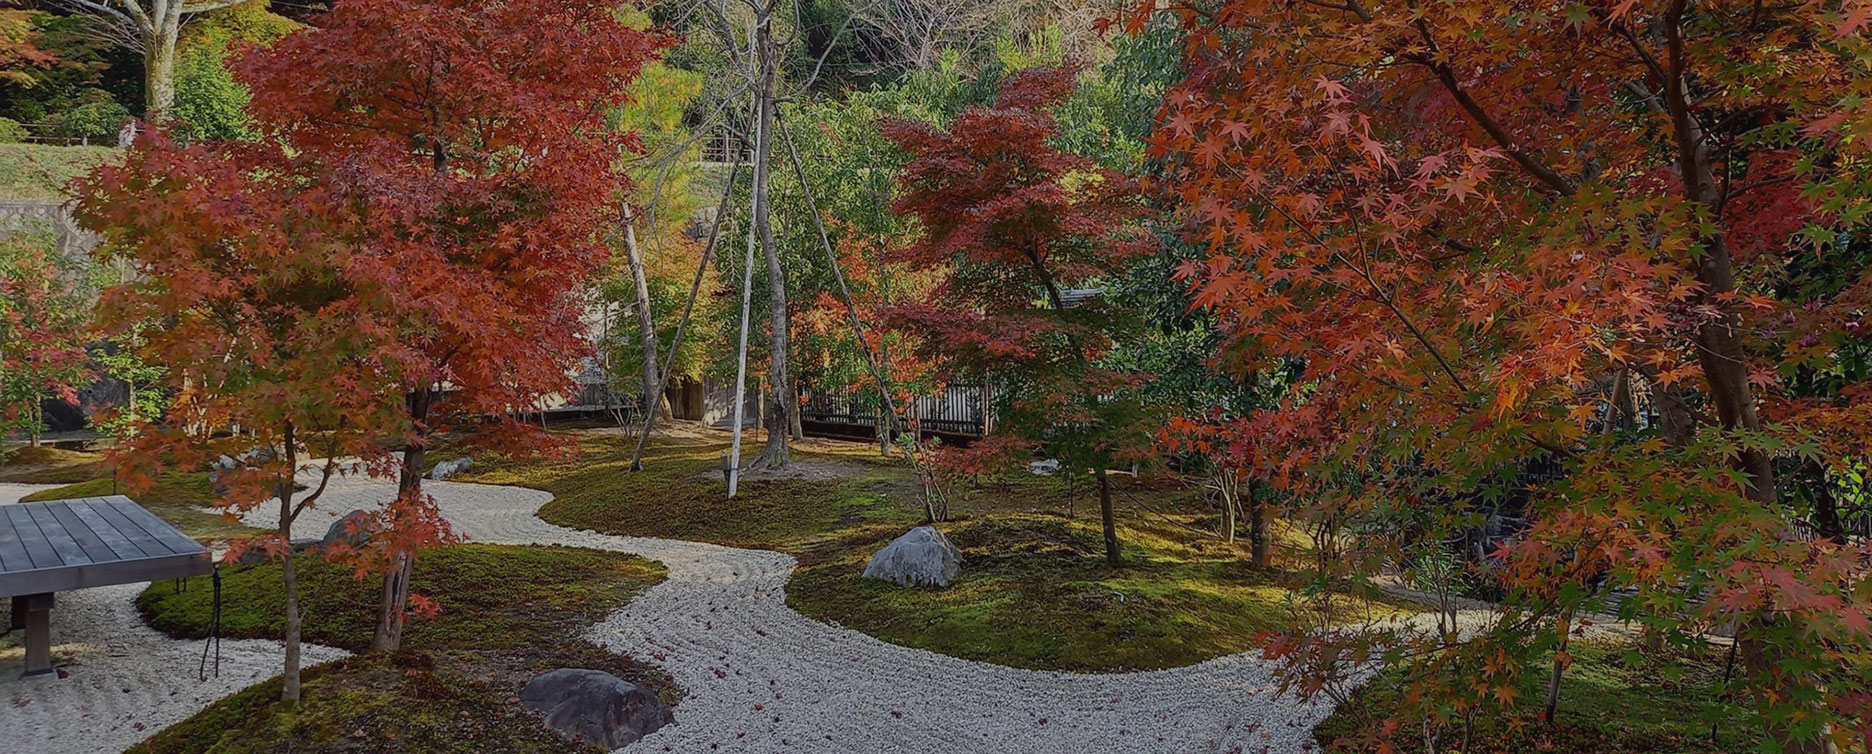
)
(762, 678)
(759, 677)
(120, 680)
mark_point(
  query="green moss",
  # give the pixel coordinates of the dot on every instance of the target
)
(452, 702)
(1611, 699)
(490, 596)
(178, 497)
(682, 495)
(36, 171)
(49, 465)
(507, 614)
(1035, 593)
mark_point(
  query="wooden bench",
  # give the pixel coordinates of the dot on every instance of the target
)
(58, 545)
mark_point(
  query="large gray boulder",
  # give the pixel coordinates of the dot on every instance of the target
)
(355, 530)
(921, 557)
(595, 706)
(448, 469)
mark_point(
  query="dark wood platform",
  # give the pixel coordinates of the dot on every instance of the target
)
(59, 545)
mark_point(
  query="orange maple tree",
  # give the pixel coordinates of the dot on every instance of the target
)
(1620, 238)
(402, 254)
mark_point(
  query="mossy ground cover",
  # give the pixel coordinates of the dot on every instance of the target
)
(507, 614)
(38, 171)
(178, 497)
(1035, 592)
(1612, 699)
(48, 465)
(682, 494)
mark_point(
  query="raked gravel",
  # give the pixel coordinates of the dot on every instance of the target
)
(758, 676)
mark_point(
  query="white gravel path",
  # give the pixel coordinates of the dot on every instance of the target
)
(760, 677)
(122, 680)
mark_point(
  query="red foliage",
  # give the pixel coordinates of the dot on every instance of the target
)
(1479, 225)
(1014, 223)
(416, 227)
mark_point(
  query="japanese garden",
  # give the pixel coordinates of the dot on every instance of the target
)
(936, 376)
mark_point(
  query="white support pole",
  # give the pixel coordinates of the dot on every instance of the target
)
(740, 392)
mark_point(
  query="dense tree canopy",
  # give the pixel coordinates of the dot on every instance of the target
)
(1485, 227)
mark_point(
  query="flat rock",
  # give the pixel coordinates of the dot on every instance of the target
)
(921, 557)
(595, 706)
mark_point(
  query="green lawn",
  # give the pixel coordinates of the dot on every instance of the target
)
(1612, 699)
(507, 614)
(1034, 591)
(37, 171)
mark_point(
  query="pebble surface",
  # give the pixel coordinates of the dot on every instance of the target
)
(758, 676)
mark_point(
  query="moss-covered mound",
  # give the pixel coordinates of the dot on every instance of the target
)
(48, 465)
(507, 614)
(681, 494)
(490, 596)
(1035, 592)
(412, 702)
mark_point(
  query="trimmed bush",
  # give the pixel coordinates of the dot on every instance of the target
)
(97, 121)
(11, 132)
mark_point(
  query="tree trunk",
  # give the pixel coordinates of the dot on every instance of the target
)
(391, 612)
(652, 398)
(779, 413)
(1226, 489)
(1257, 528)
(289, 688)
(159, 57)
(289, 676)
(1109, 520)
(1560, 661)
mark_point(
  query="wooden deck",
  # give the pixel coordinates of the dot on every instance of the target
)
(60, 545)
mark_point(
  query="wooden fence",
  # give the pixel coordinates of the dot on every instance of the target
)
(958, 410)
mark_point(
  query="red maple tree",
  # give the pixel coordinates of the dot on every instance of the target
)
(402, 254)
(42, 333)
(1023, 233)
(1507, 234)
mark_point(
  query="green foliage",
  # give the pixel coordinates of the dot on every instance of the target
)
(491, 596)
(89, 69)
(665, 197)
(11, 132)
(121, 359)
(96, 121)
(210, 104)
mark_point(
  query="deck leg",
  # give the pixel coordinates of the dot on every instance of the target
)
(38, 611)
(17, 620)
